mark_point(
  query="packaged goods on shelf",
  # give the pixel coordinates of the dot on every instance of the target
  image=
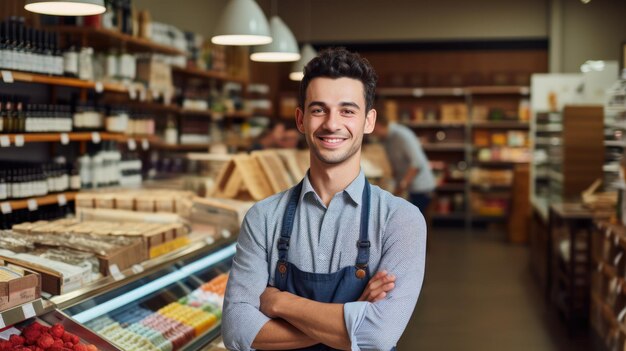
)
(56, 277)
(14, 242)
(486, 177)
(169, 35)
(454, 113)
(156, 75)
(491, 205)
(152, 200)
(29, 49)
(226, 214)
(18, 286)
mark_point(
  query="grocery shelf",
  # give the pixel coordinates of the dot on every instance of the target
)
(207, 74)
(106, 38)
(75, 136)
(198, 248)
(23, 312)
(65, 82)
(499, 163)
(182, 147)
(617, 143)
(429, 125)
(192, 112)
(450, 187)
(454, 147)
(454, 91)
(499, 90)
(455, 216)
(501, 125)
(419, 92)
(483, 218)
(43, 200)
(491, 188)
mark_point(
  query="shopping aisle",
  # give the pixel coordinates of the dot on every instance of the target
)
(479, 294)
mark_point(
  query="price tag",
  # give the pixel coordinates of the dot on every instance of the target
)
(5, 207)
(145, 144)
(7, 76)
(137, 268)
(99, 87)
(61, 199)
(418, 92)
(65, 139)
(132, 92)
(6, 334)
(225, 233)
(115, 272)
(32, 205)
(209, 240)
(5, 141)
(29, 311)
(132, 144)
(19, 140)
(95, 137)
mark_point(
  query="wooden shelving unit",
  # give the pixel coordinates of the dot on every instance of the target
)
(501, 125)
(78, 136)
(25, 77)
(444, 147)
(206, 74)
(50, 199)
(104, 38)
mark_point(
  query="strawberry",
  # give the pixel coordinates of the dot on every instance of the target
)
(58, 343)
(57, 330)
(45, 341)
(92, 348)
(16, 340)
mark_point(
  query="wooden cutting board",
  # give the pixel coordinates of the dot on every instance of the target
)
(274, 169)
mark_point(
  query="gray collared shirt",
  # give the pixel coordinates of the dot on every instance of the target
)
(324, 241)
(404, 150)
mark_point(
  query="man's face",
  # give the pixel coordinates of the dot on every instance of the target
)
(334, 118)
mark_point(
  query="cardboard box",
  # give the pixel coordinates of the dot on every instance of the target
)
(53, 281)
(20, 290)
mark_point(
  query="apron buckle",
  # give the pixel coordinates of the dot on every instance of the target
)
(360, 272)
(282, 268)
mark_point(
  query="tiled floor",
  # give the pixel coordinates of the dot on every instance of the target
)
(479, 294)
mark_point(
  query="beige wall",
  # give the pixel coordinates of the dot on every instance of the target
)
(594, 30)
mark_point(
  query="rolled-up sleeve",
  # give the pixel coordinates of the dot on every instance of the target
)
(379, 325)
(248, 278)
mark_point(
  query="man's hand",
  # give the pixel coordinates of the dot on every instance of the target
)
(378, 287)
(269, 299)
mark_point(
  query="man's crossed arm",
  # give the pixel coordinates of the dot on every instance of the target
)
(298, 322)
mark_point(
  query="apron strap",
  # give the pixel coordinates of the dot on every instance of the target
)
(288, 218)
(363, 244)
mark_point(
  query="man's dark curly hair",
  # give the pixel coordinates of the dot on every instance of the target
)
(340, 63)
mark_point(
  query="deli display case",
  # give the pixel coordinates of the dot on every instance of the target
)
(170, 303)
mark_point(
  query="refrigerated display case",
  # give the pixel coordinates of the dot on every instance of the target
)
(162, 304)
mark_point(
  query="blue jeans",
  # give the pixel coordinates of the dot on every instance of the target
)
(421, 200)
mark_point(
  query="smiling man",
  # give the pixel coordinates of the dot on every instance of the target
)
(301, 277)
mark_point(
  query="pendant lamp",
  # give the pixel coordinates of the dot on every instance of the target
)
(242, 23)
(66, 7)
(297, 71)
(283, 48)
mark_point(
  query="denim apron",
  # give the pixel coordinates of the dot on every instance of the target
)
(345, 285)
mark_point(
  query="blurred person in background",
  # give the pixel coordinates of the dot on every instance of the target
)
(277, 136)
(410, 166)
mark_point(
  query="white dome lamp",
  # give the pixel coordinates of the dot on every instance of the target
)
(297, 70)
(283, 48)
(242, 23)
(66, 7)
